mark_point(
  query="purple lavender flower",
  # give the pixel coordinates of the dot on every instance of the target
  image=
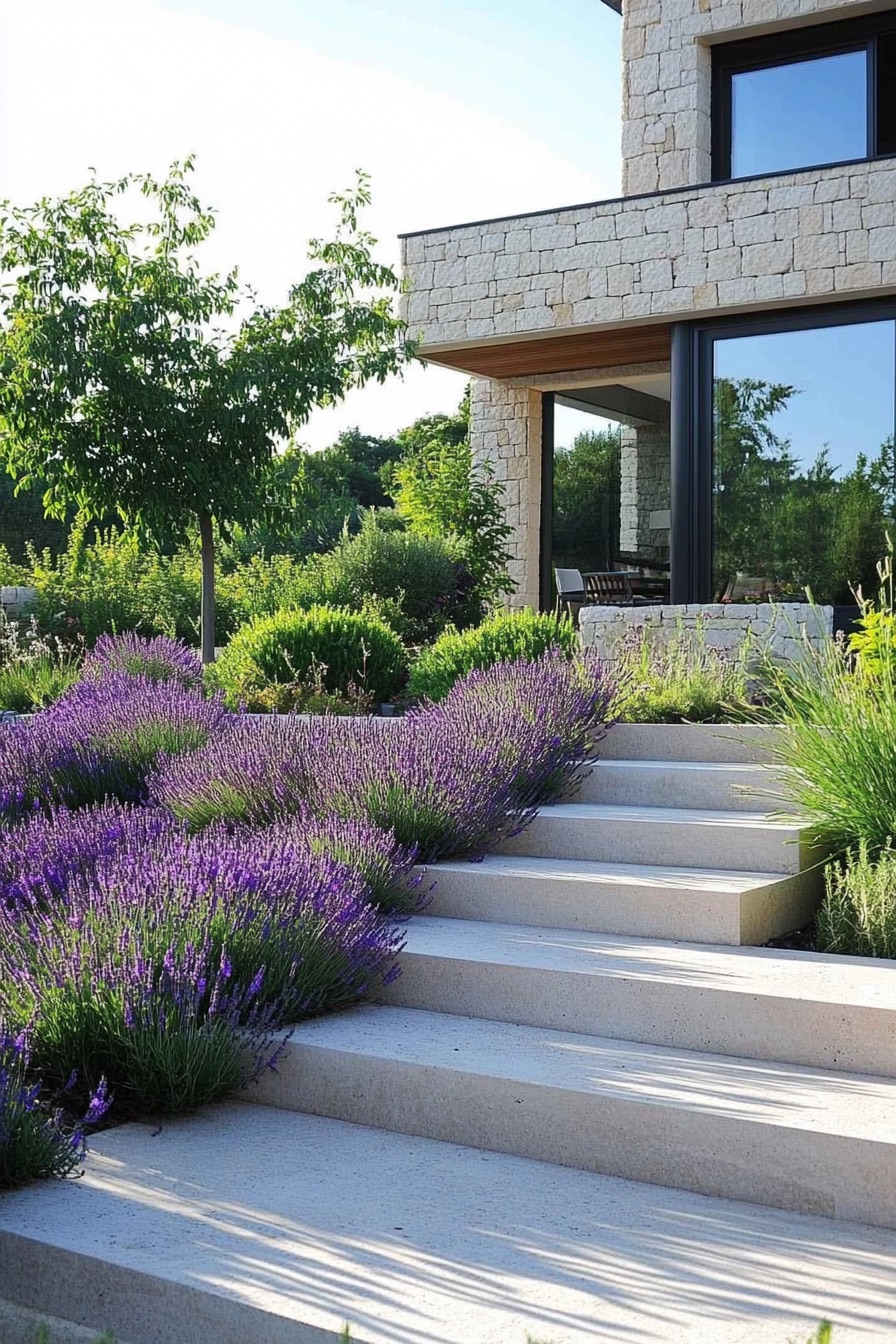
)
(157, 658)
(42, 855)
(35, 1138)
(100, 740)
(161, 967)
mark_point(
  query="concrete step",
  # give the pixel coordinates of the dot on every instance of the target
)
(744, 841)
(738, 786)
(811, 1141)
(689, 742)
(822, 1011)
(699, 905)
(244, 1224)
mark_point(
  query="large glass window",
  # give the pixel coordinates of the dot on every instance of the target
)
(804, 468)
(805, 112)
(804, 97)
(610, 493)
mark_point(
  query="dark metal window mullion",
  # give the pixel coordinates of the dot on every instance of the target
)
(546, 521)
(871, 77)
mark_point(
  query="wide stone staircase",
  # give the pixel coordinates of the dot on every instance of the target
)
(592, 1003)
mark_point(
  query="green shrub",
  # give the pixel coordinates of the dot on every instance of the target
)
(346, 651)
(680, 679)
(503, 638)
(114, 584)
(858, 916)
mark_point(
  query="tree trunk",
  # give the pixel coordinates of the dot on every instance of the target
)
(207, 613)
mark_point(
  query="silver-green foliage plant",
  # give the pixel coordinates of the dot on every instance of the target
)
(35, 668)
(679, 677)
(858, 916)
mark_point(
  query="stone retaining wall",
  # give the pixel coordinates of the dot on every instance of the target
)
(17, 601)
(783, 629)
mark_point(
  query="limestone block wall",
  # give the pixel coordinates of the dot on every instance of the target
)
(784, 630)
(646, 488)
(505, 431)
(667, 77)
(787, 239)
(17, 601)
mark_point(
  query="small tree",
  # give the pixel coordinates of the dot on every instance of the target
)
(132, 383)
(442, 492)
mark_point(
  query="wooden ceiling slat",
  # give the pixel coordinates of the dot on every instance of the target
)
(557, 354)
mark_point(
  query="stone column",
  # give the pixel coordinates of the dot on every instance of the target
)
(646, 489)
(505, 430)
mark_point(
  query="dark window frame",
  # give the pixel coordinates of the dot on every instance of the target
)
(692, 445)
(789, 48)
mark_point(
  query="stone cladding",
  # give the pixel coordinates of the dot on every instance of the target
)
(505, 431)
(667, 64)
(775, 242)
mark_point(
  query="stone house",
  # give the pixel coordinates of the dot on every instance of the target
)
(731, 317)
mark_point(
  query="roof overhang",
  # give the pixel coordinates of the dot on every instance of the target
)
(613, 349)
(614, 4)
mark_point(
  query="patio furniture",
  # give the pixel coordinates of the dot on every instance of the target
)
(570, 587)
(613, 588)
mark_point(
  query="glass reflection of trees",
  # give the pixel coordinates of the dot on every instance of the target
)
(586, 501)
(797, 526)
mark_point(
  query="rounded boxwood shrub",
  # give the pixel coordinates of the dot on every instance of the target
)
(504, 638)
(343, 650)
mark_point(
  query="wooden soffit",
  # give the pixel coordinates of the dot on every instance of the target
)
(559, 354)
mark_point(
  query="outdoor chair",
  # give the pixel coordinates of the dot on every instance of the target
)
(613, 588)
(570, 591)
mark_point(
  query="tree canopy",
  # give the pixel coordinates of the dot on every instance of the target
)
(131, 381)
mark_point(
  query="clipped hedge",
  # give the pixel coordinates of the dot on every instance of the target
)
(504, 638)
(343, 650)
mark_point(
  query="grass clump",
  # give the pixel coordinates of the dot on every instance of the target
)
(507, 637)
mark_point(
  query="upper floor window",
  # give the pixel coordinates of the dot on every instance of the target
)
(799, 99)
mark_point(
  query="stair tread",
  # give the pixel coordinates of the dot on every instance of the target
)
(747, 768)
(682, 816)
(856, 1106)
(634, 874)
(317, 1222)
(851, 981)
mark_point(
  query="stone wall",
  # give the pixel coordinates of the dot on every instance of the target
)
(783, 629)
(646, 488)
(17, 601)
(787, 239)
(667, 77)
(505, 431)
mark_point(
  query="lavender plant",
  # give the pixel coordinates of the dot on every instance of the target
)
(263, 772)
(35, 1139)
(165, 972)
(44, 854)
(544, 718)
(157, 658)
(100, 740)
